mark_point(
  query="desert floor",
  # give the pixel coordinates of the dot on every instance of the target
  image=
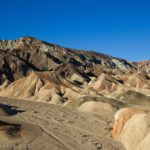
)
(40, 126)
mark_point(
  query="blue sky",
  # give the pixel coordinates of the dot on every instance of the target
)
(117, 27)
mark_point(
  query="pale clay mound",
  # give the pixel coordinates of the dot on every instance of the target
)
(96, 107)
(132, 128)
(108, 85)
(41, 87)
(46, 126)
(50, 87)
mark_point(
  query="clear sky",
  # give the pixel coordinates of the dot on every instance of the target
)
(117, 27)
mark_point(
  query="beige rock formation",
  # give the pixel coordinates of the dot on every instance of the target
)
(107, 84)
(131, 128)
(44, 87)
(96, 107)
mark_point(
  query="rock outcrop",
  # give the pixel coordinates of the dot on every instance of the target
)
(20, 57)
(132, 128)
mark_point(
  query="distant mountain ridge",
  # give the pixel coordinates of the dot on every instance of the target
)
(31, 64)
(19, 57)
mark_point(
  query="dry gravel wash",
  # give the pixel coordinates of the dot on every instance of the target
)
(51, 127)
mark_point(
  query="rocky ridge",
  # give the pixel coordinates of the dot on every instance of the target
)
(19, 57)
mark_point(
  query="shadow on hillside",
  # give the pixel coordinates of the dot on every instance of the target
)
(10, 110)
